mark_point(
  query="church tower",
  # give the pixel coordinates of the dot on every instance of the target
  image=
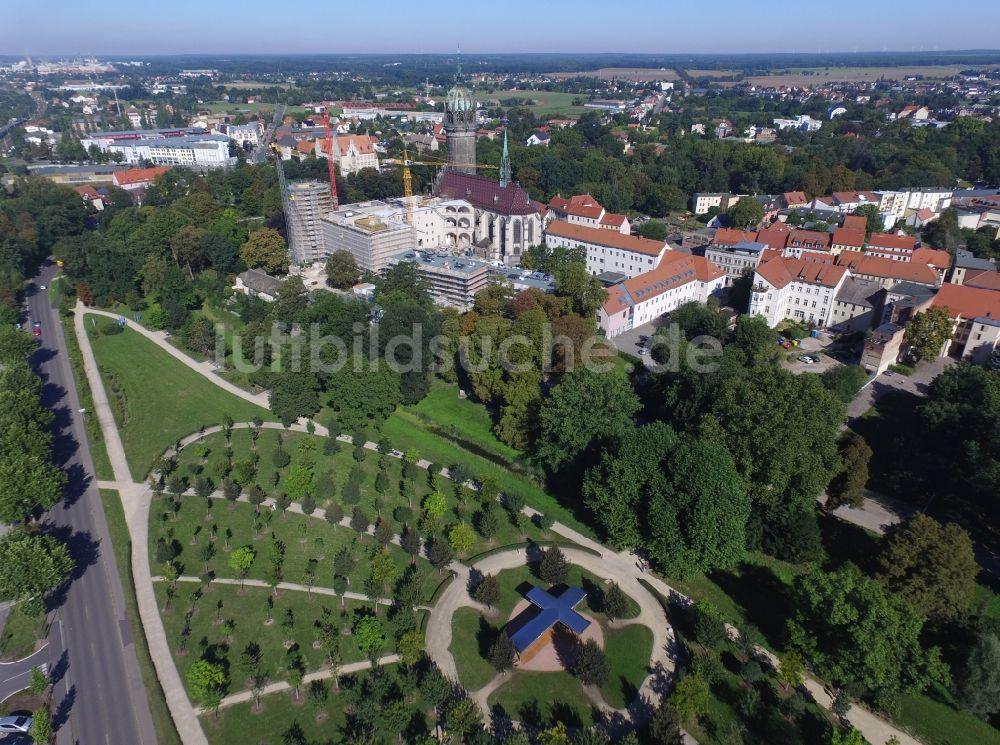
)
(460, 129)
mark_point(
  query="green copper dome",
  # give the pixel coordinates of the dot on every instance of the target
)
(460, 99)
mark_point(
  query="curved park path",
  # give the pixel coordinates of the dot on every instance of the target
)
(621, 567)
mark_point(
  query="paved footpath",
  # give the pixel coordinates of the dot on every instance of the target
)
(620, 567)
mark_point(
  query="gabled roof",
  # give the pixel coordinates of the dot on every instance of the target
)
(730, 237)
(876, 266)
(364, 144)
(935, 257)
(580, 205)
(968, 302)
(781, 272)
(849, 237)
(984, 280)
(613, 218)
(858, 291)
(87, 191)
(890, 240)
(810, 238)
(795, 198)
(967, 260)
(775, 236)
(485, 193)
(855, 222)
(674, 270)
(606, 238)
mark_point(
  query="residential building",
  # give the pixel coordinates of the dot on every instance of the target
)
(967, 265)
(881, 349)
(802, 122)
(177, 147)
(583, 209)
(306, 203)
(91, 196)
(847, 239)
(136, 180)
(702, 202)
(903, 300)
(891, 246)
(813, 241)
(976, 315)
(888, 272)
(251, 133)
(736, 259)
(538, 138)
(678, 279)
(796, 289)
(795, 199)
(608, 250)
(857, 306)
(256, 283)
(375, 235)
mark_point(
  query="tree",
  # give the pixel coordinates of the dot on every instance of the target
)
(411, 647)
(927, 332)
(31, 564)
(369, 635)
(487, 591)
(341, 270)
(848, 736)
(410, 542)
(873, 219)
(615, 602)
(464, 717)
(487, 520)
(296, 671)
(665, 725)
(858, 635)
(554, 568)
(690, 698)
(440, 553)
(848, 485)
(746, 213)
(293, 395)
(240, 561)
(978, 685)
(502, 653)
(697, 518)
(38, 683)
(585, 291)
(591, 665)
(383, 568)
(461, 538)
(930, 565)
(41, 725)
(654, 230)
(206, 682)
(791, 669)
(845, 381)
(265, 248)
(568, 427)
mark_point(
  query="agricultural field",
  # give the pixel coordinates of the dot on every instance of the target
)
(620, 73)
(813, 75)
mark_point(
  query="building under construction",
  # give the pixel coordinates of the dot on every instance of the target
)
(306, 202)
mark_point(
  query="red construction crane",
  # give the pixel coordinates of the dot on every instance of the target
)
(329, 158)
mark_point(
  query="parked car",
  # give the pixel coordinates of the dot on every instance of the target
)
(36, 331)
(643, 351)
(19, 723)
(808, 359)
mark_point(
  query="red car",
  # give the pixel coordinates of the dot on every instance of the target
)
(36, 331)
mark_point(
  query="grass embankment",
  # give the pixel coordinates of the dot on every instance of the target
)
(20, 634)
(156, 398)
(98, 448)
(122, 547)
(540, 699)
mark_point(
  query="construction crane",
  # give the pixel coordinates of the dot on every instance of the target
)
(329, 158)
(408, 176)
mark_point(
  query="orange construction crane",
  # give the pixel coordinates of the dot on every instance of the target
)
(329, 158)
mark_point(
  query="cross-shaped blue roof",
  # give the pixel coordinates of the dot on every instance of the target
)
(551, 610)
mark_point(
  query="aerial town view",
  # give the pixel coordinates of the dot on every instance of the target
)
(579, 374)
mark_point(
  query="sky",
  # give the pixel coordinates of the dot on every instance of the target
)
(145, 27)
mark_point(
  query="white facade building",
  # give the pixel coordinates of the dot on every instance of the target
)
(796, 289)
(608, 250)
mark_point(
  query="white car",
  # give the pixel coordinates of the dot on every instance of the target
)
(20, 723)
(808, 359)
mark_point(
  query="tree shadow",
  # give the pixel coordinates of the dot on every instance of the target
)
(485, 636)
(83, 549)
(58, 671)
(845, 543)
(62, 711)
(765, 599)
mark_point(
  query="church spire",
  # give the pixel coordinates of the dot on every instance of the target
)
(458, 62)
(505, 162)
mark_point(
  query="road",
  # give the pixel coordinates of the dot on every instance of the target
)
(260, 154)
(98, 693)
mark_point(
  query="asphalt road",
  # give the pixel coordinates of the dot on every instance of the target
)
(260, 154)
(98, 696)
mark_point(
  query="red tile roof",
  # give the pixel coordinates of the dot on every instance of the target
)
(364, 144)
(781, 272)
(87, 192)
(890, 240)
(607, 238)
(775, 236)
(581, 205)
(730, 237)
(485, 193)
(139, 175)
(808, 239)
(968, 302)
(876, 266)
(849, 237)
(613, 218)
(795, 198)
(674, 270)
(984, 280)
(934, 257)
(855, 222)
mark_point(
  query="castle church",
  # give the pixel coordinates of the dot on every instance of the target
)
(506, 221)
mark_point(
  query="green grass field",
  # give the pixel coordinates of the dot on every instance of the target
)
(935, 720)
(242, 725)
(628, 649)
(546, 102)
(467, 626)
(541, 699)
(164, 399)
(19, 635)
(98, 450)
(122, 546)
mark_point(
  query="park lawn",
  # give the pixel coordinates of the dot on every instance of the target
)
(248, 608)
(628, 650)
(305, 538)
(407, 432)
(935, 720)
(338, 466)
(469, 629)
(545, 102)
(243, 725)
(512, 579)
(541, 699)
(165, 400)
(121, 543)
(462, 418)
(20, 633)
